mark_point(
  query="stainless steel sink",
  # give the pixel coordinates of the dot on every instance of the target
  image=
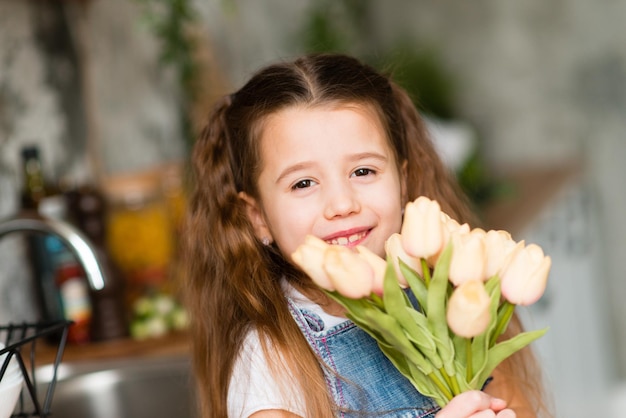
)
(129, 388)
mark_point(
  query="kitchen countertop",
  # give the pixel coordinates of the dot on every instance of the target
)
(174, 344)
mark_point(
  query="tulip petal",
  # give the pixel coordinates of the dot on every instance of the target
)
(310, 258)
(395, 251)
(422, 229)
(379, 266)
(349, 273)
(468, 309)
(468, 257)
(525, 276)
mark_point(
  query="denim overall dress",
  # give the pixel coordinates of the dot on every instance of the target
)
(362, 381)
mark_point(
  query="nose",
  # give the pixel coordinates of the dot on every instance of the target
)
(340, 200)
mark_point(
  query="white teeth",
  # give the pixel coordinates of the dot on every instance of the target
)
(346, 240)
(354, 237)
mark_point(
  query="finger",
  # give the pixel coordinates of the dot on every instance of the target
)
(497, 404)
(466, 404)
(487, 413)
(506, 413)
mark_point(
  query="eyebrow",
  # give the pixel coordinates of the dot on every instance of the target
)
(292, 169)
(353, 158)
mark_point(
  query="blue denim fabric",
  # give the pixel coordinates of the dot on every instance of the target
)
(362, 381)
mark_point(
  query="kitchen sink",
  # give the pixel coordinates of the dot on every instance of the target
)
(128, 388)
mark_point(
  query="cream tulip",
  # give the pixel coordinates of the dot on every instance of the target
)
(468, 260)
(309, 256)
(422, 229)
(395, 251)
(525, 276)
(450, 227)
(350, 274)
(468, 309)
(379, 266)
(498, 245)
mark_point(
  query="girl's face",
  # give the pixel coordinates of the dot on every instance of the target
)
(328, 172)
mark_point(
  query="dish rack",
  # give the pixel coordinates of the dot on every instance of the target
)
(20, 342)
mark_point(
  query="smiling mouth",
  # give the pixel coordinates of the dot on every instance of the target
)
(351, 239)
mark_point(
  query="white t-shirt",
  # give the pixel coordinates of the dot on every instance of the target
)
(252, 387)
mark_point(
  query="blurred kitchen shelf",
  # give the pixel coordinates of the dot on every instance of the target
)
(533, 189)
(174, 344)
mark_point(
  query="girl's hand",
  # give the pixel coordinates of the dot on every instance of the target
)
(475, 404)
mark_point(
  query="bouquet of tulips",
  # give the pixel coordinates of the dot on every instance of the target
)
(466, 283)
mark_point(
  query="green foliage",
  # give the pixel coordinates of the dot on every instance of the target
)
(420, 72)
(169, 20)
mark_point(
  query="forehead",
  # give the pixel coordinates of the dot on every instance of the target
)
(293, 118)
(312, 135)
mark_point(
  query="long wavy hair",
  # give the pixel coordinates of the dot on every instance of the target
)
(232, 281)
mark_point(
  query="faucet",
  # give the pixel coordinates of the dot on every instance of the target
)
(30, 221)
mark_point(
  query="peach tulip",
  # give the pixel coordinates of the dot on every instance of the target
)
(498, 245)
(468, 309)
(350, 274)
(422, 229)
(525, 276)
(395, 250)
(450, 227)
(468, 260)
(310, 257)
(379, 266)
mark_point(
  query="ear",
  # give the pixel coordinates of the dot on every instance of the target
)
(256, 217)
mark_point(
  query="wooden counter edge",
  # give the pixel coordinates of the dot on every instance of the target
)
(174, 344)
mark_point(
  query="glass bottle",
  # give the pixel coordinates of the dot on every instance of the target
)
(89, 213)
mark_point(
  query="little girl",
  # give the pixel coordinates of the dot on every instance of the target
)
(326, 146)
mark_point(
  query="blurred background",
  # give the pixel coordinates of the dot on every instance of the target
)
(525, 101)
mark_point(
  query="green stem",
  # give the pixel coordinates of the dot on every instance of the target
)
(507, 309)
(425, 272)
(442, 387)
(377, 300)
(456, 390)
(469, 368)
(451, 381)
(447, 378)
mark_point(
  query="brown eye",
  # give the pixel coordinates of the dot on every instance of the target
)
(303, 184)
(363, 172)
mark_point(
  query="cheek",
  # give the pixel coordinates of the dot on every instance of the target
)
(289, 225)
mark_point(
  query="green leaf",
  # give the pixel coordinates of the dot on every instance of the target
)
(393, 334)
(459, 348)
(480, 343)
(501, 351)
(416, 283)
(436, 313)
(423, 338)
(395, 300)
(421, 381)
(505, 313)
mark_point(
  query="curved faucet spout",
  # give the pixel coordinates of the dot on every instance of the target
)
(71, 236)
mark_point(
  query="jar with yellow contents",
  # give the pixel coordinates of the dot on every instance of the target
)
(140, 232)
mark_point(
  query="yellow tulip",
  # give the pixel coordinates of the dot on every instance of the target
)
(468, 309)
(395, 250)
(350, 274)
(525, 276)
(498, 245)
(310, 257)
(379, 266)
(468, 260)
(422, 229)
